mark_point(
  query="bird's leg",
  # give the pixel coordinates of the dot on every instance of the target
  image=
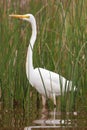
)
(44, 109)
(43, 101)
(54, 99)
(54, 115)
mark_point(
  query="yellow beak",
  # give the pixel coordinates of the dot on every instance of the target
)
(19, 16)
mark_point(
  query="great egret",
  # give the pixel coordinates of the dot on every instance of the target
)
(47, 83)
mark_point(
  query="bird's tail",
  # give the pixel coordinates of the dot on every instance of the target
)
(71, 86)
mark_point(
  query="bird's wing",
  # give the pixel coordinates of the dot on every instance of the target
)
(52, 81)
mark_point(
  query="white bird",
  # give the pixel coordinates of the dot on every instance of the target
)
(49, 84)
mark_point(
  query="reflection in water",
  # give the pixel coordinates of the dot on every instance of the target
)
(53, 120)
(42, 127)
(50, 119)
(18, 119)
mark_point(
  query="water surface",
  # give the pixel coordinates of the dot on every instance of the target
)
(19, 119)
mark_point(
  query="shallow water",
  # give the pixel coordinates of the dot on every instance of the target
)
(18, 119)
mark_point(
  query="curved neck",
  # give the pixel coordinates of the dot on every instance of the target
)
(29, 60)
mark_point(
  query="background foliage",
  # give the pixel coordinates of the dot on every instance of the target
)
(61, 46)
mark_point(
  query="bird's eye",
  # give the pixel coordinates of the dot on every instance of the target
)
(28, 16)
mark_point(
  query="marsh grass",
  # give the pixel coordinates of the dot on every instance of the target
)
(60, 46)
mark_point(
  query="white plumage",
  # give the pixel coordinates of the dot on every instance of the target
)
(46, 82)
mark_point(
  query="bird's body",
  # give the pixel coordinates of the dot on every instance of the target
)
(47, 83)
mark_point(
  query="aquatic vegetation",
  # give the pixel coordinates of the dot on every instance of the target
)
(61, 47)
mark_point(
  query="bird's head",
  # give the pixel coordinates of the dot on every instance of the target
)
(26, 17)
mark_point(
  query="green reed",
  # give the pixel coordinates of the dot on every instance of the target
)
(60, 47)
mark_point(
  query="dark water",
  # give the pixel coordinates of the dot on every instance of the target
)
(19, 119)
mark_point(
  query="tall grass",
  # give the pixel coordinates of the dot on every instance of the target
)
(61, 47)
